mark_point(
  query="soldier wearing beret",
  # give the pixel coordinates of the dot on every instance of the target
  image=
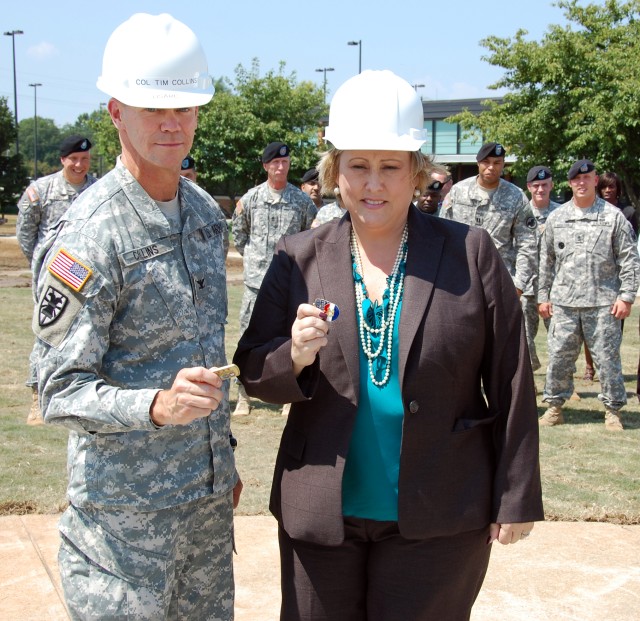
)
(39, 209)
(540, 185)
(502, 209)
(262, 216)
(188, 168)
(310, 185)
(429, 200)
(589, 269)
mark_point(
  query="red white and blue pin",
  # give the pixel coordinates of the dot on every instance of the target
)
(328, 308)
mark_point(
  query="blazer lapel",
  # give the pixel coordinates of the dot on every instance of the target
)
(337, 287)
(423, 263)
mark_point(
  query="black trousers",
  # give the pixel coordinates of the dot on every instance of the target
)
(377, 575)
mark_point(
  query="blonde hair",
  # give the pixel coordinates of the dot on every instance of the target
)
(328, 166)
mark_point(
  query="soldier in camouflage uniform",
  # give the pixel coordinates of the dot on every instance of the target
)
(589, 269)
(40, 208)
(130, 323)
(329, 212)
(310, 185)
(539, 184)
(502, 209)
(262, 216)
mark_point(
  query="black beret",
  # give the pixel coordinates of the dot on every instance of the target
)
(490, 149)
(435, 185)
(74, 144)
(311, 175)
(538, 173)
(580, 167)
(273, 150)
(187, 163)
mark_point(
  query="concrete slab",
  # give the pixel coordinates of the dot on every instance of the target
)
(564, 571)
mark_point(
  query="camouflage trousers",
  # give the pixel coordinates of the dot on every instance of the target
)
(246, 307)
(531, 322)
(600, 330)
(175, 563)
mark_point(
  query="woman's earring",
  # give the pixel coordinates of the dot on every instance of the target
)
(416, 192)
(336, 191)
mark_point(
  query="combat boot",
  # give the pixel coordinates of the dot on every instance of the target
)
(35, 415)
(552, 417)
(612, 421)
(243, 405)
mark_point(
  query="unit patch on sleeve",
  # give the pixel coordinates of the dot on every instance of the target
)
(69, 270)
(51, 307)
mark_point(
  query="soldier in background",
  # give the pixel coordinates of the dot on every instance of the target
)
(130, 326)
(310, 185)
(589, 270)
(431, 198)
(540, 185)
(39, 209)
(262, 216)
(502, 209)
(188, 169)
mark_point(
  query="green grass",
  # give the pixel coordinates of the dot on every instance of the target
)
(587, 472)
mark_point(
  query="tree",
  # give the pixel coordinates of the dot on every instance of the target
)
(13, 178)
(49, 138)
(574, 94)
(244, 117)
(106, 146)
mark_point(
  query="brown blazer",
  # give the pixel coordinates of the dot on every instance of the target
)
(465, 460)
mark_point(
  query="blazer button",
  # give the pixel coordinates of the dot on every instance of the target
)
(414, 406)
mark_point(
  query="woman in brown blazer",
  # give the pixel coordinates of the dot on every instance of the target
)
(412, 441)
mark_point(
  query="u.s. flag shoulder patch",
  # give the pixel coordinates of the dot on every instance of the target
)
(69, 270)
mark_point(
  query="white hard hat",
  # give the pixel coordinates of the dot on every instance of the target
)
(155, 61)
(376, 110)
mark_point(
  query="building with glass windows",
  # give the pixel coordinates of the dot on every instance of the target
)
(447, 142)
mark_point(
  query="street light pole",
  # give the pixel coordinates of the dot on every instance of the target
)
(359, 44)
(324, 70)
(35, 129)
(12, 34)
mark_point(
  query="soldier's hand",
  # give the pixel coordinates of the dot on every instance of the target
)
(621, 309)
(195, 393)
(545, 310)
(308, 336)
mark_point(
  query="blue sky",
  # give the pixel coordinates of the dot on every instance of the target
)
(425, 42)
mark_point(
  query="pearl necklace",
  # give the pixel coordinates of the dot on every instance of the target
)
(395, 285)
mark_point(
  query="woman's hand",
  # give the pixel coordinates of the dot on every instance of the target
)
(509, 533)
(308, 335)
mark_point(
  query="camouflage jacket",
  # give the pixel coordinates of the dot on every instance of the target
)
(588, 257)
(506, 217)
(41, 206)
(260, 220)
(124, 303)
(329, 212)
(541, 216)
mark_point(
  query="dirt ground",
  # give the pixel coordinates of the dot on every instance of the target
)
(15, 272)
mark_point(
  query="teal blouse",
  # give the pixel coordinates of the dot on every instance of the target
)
(370, 480)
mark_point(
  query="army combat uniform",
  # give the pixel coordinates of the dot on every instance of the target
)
(588, 259)
(39, 209)
(126, 298)
(41, 206)
(329, 212)
(528, 300)
(258, 226)
(506, 215)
